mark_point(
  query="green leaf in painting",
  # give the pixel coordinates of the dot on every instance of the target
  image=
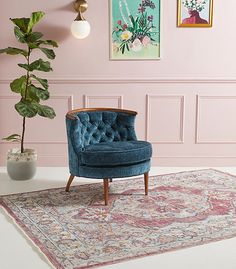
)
(49, 53)
(123, 49)
(46, 111)
(22, 23)
(19, 85)
(42, 81)
(132, 20)
(35, 18)
(14, 51)
(26, 108)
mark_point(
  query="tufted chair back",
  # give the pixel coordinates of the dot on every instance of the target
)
(91, 126)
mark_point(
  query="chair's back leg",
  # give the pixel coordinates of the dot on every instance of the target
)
(69, 182)
(106, 190)
(146, 183)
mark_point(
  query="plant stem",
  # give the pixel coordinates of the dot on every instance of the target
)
(22, 136)
(25, 97)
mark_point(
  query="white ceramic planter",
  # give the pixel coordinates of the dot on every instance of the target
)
(21, 166)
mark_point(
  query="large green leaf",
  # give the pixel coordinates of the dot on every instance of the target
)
(35, 18)
(33, 45)
(33, 37)
(19, 85)
(26, 108)
(13, 51)
(25, 66)
(48, 42)
(40, 65)
(22, 23)
(32, 96)
(46, 111)
(13, 138)
(19, 34)
(49, 53)
(42, 81)
(39, 92)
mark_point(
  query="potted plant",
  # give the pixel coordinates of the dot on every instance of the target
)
(21, 163)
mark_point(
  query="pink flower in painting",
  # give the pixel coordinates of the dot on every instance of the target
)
(141, 9)
(124, 26)
(119, 22)
(150, 18)
(146, 40)
(136, 45)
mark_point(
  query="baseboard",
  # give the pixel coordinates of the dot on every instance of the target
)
(202, 161)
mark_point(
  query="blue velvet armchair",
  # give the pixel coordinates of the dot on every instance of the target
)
(102, 144)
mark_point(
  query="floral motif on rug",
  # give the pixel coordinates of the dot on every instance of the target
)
(75, 230)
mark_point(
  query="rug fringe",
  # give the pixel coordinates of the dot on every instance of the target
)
(11, 220)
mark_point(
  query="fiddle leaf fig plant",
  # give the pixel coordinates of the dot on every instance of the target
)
(31, 88)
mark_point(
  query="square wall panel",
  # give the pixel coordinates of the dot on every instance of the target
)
(165, 118)
(216, 119)
(39, 130)
(112, 101)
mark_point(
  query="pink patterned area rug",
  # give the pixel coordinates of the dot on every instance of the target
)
(75, 230)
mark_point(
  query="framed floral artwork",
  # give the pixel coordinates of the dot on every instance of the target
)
(135, 29)
(195, 13)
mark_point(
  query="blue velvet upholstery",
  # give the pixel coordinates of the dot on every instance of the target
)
(103, 144)
(115, 171)
(116, 153)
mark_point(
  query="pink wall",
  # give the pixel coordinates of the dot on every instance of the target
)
(186, 101)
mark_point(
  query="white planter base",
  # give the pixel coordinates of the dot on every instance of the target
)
(21, 166)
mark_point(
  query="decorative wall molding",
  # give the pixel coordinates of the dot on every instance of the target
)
(87, 98)
(53, 96)
(48, 160)
(181, 123)
(210, 97)
(132, 80)
(185, 104)
(70, 105)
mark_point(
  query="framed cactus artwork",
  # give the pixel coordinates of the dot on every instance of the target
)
(195, 13)
(135, 29)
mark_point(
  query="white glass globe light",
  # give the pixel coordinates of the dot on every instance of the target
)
(80, 29)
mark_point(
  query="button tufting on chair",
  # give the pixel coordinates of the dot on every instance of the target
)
(102, 144)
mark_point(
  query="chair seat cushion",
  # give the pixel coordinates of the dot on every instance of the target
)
(116, 153)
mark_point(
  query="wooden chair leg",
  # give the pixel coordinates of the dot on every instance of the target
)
(106, 190)
(146, 183)
(69, 182)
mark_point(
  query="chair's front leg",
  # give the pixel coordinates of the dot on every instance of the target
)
(69, 182)
(106, 190)
(146, 183)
